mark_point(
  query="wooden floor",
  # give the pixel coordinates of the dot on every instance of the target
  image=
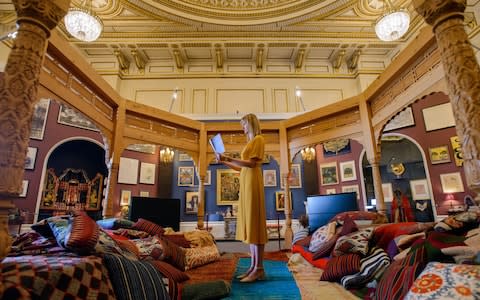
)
(239, 247)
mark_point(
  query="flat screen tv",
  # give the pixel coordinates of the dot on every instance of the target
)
(321, 208)
(162, 211)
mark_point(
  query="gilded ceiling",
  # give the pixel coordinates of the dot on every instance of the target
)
(237, 38)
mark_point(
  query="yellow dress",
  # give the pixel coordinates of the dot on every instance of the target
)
(251, 217)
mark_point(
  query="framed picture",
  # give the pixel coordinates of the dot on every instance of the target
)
(144, 194)
(23, 194)
(295, 179)
(330, 191)
(144, 148)
(184, 157)
(452, 183)
(125, 197)
(387, 192)
(185, 176)
(128, 170)
(328, 173)
(403, 119)
(280, 201)
(30, 158)
(71, 117)
(438, 116)
(269, 178)
(347, 171)
(457, 150)
(191, 203)
(228, 186)
(439, 155)
(351, 188)
(147, 173)
(39, 119)
(419, 189)
(208, 178)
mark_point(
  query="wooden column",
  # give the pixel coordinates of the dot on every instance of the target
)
(202, 171)
(462, 76)
(284, 175)
(18, 95)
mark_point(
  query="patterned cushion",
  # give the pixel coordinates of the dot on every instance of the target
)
(127, 276)
(131, 233)
(355, 215)
(172, 253)
(326, 248)
(370, 266)
(43, 226)
(83, 235)
(341, 266)
(148, 226)
(318, 238)
(148, 248)
(446, 281)
(60, 227)
(300, 234)
(195, 257)
(459, 223)
(355, 242)
(174, 275)
(397, 280)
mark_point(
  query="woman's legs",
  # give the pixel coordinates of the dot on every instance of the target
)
(253, 262)
(257, 273)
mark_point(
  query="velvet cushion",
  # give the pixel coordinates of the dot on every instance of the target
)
(134, 279)
(174, 275)
(355, 242)
(348, 226)
(171, 253)
(149, 227)
(178, 239)
(83, 235)
(216, 289)
(199, 256)
(341, 266)
(305, 242)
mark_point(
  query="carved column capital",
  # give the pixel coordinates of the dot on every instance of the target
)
(43, 13)
(435, 12)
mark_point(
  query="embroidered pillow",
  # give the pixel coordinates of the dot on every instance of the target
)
(148, 226)
(355, 242)
(318, 238)
(195, 257)
(326, 248)
(147, 248)
(340, 266)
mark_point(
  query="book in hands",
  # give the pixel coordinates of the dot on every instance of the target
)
(217, 144)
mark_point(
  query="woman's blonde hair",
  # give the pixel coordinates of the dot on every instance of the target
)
(253, 123)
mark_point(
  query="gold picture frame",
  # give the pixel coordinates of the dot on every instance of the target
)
(228, 186)
(191, 203)
(280, 201)
(439, 154)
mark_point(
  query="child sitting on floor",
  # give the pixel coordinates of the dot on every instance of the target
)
(303, 231)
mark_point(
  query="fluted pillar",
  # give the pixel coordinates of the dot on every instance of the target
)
(377, 183)
(201, 201)
(288, 235)
(18, 95)
(462, 76)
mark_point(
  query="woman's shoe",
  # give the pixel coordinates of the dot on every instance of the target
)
(259, 274)
(241, 276)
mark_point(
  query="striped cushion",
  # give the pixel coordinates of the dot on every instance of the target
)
(171, 253)
(396, 281)
(341, 266)
(300, 234)
(134, 280)
(148, 226)
(370, 266)
(174, 275)
(84, 234)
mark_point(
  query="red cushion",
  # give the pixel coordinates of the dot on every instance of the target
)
(305, 242)
(149, 227)
(348, 226)
(383, 234)
(340, 266)
(83, 235)
(178, 239)
(170, 271)
(319, 263)
(326, 248)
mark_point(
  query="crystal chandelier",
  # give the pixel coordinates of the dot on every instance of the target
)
(393, 24)
(308, 154)
(83, 24)
(166, 155)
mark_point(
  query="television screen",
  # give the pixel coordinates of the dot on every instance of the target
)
(321, 208)
(162, 211)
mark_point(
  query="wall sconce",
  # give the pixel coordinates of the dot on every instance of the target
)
(308, 154)
(166, 155)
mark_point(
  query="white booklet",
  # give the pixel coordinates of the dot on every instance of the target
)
(217, 143)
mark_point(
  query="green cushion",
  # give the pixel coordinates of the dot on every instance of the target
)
(206, 290)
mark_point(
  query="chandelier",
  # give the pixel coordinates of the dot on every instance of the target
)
(166, 155)
(83, 24)
(308, 154)
(393, 24)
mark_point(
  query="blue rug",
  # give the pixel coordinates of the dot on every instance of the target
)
(278, 284)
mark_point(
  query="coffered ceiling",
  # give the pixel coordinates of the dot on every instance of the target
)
(237, 38)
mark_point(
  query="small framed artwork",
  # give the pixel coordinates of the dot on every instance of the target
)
(23, 194)
(452, 183)
(72, 117)
(144, 194)
(191, 203)
(228, 186)
(182, 156)
(208, 178)
(269, 178)
(439, 155)
(457, 150)
(147, 173)
(438, 116)
(347, 171)
(419, 189)
(295, 179)
(186, 176)
(128, 170)
(330, 191)
(280, 200)
(30, 158)
(387, 192)
(39, 119)
(351, 188)
(403, 119)
(328, 173)
(125, 197)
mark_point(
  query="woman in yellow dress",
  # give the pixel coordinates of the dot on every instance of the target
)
(251, 217)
